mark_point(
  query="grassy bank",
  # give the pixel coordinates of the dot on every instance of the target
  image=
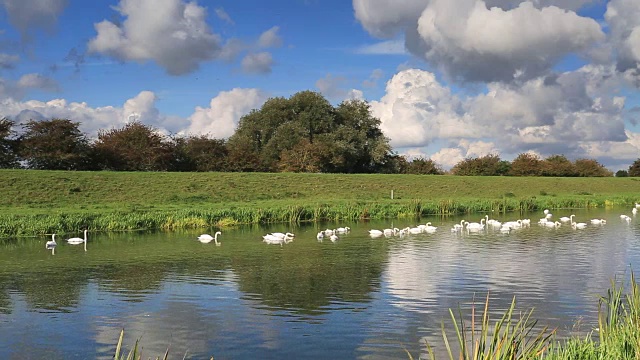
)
(41, 202)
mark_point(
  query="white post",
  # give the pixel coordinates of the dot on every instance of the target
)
(391, 194)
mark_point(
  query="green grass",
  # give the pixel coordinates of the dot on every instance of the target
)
(515, 336)
(41, 202)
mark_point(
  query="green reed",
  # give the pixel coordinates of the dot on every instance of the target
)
(62, 221)
(515, 336)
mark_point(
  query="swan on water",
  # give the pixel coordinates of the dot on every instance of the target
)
(390, 232)
(77, 240)
(375, 233)
(333, 238)
(206, 238)
(576, 225)
(343, 230)
(598, 221)
(625, 217)
(320, 235)
(565, 219)
(51, 243)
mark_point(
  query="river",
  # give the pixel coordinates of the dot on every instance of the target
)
(357, 297)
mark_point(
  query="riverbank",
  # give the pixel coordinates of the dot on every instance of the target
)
(42, 202)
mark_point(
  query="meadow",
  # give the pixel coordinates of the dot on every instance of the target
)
(41, 202)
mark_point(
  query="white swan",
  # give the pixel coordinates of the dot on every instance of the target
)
(565, 219)
(546, 211)
(51, 243)
(276, 240)
(430, 229)
(390, 232)
(77, 240)
(375, 233)
(625, 217)
(343, 230)
(206, 238)
(598, 221)
(459, 226)
(283, 235)
(320, 235)
(333, 238)
(576, 225)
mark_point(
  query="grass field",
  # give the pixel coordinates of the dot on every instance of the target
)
(37, 202)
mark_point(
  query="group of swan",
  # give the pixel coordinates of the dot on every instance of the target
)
(51, 244)
(419, 229)
(206, 238)
(278, 238)
(332, 234)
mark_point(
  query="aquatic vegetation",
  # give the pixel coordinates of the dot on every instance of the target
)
(515, 336)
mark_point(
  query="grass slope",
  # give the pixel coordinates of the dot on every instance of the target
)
(46, 199)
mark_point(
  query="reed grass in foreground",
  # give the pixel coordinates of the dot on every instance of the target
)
(513, 336)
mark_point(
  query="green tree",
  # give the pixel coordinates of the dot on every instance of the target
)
(56, 144)
(590, 167)
(199, 153)
(622, 173)
(634, 169)
(422, 166)
(8, 145)
(347, 138)
(526, 164)
(134, 147)
(489, 165)
(558, 165)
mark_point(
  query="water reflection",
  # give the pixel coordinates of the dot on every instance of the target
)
(354, 297)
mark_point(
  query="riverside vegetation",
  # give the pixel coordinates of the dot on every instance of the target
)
(43, 202)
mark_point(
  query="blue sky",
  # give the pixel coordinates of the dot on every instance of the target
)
(447, 81)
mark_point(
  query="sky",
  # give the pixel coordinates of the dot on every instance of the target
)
(447, 79)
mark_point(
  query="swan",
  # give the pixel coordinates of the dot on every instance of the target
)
(320, 235)
(546, 211)
(576, 225)
(343, 230)
(565, 219)
(430, 229)
(375, 233)
(505, 229)
(414, 230)
(328, 232)
(333, 238)
(637, 205)
(475, 225)
(283, 235)
(276, 240)
(77, 240)
(625, 217)
(51, 243)
(549, 216)
(598, 221)
(206, 238)
(526, 222)
(389, 232)
(459, 226)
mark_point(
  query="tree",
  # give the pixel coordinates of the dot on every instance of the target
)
(526, 164)
(634, 169)
(281, 133)
(622, 173)
(489, 165)
(590, 167)
(422, 166)
(199, 153)
(8, 145)
(134, 147)
(56, 144)
(558, 165)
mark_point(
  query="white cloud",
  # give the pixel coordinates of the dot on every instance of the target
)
(221, 118)
(471, 41)
(448, 157)
(270, 38)
(26, 15)
(171, 33)
(416, 110)
(623, 18)
(222, 15)
(387, 47)
(37, 81)
(257, 63)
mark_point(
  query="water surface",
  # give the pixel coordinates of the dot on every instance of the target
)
(356, 298)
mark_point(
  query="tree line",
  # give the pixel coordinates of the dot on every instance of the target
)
(302, 133)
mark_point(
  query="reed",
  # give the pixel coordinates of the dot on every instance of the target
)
(515, 336)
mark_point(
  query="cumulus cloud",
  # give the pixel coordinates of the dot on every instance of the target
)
(417, 109)
(623, 18)
(26, 15)
(221, 118)
(521, 40)
(141, 107)
(38, 81)
(171, 33)
(335, 89)
(257, 63)
(449, 156)
(270, 38)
